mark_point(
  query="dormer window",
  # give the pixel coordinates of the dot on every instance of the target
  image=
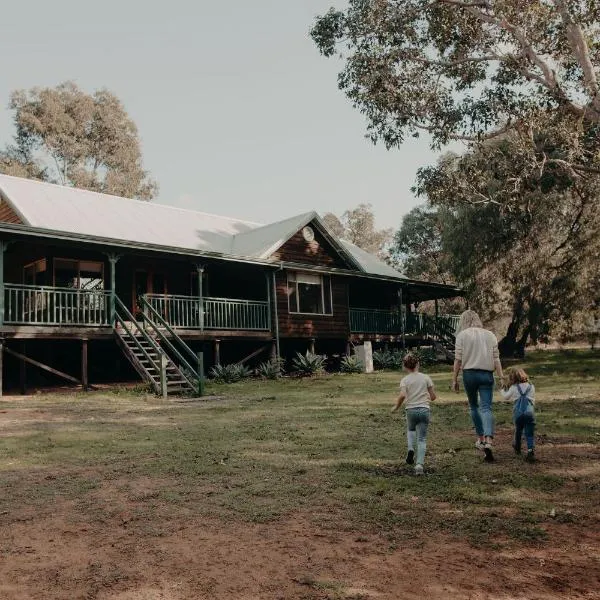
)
(309, 293)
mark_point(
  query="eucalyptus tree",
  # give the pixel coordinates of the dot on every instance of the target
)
(67, 136)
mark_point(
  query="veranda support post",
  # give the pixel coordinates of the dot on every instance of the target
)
(200, 270)
(402, 318)
(113, 259)
(3, 246)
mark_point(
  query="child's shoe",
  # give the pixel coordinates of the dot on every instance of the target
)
(487, 450)
(479, 444)
(410, 457)
(530, 458)
(418, 469)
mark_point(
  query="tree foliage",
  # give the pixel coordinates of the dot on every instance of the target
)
(535, 265)
(66, 136)
(357, 225)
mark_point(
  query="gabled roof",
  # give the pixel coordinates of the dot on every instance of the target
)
(71, 210)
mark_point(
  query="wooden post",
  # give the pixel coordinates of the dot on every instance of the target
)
(348, 348)
(217, 352)
(311, 346)
(163, 376)
(201, 373)
(402, 319)
(1, 364)
(112, 259)
(275, 314)
(273, 350)
(3, 246)
(23, 372)
(84, 365)
(200, 270)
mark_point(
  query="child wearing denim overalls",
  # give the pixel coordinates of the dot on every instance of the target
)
(416, 392)
(522, 393)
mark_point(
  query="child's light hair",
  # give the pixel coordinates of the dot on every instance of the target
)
(411, 361)
(517, 376)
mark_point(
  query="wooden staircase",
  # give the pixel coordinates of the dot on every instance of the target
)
(147, 349)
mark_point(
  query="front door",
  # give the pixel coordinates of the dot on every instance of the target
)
(146, 282)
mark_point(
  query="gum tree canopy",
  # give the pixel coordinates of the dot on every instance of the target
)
(473, 69)
(64, 135)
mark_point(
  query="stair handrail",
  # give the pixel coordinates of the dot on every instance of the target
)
(119, 318)
(146, 305)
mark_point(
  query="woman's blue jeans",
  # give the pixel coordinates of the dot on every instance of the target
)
(417, 419)
(479, 386)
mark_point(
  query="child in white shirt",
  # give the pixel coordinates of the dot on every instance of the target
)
(522, 393)
(416, 392)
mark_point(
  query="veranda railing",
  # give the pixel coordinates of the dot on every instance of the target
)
(218, 313)
(367, 320)
(46, 305)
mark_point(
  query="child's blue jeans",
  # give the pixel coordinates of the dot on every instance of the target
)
(525, 423)
(417, 419)
(479, 386)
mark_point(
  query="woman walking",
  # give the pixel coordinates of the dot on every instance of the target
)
(477, 355)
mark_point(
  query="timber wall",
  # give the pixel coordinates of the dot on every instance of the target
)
(334, 326)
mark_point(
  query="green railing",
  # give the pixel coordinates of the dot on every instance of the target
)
(184, 312)
(46, 305)
(367, 320)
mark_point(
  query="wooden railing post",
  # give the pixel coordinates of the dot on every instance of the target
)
(163, 375)
(200, 373)
(200, 270)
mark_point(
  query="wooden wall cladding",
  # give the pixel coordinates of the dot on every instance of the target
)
(317, 252)
(8, 215)
(294, 325)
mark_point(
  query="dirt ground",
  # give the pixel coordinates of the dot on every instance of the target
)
(121, 554)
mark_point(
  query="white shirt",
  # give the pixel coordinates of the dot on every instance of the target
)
(512, 393)
(414, 387)
(477, 348)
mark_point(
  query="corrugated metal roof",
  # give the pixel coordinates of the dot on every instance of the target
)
(73, 210)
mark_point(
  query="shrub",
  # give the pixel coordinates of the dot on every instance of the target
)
(271, 369)
(426, 356)
(230, 373)
(351, 364)
(384, 359)
(309, 363)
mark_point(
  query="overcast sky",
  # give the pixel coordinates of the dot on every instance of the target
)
(238, 113)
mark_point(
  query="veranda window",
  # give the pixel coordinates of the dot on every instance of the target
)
(78, 274)
(309, 293)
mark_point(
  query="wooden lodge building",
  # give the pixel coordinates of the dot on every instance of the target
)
(93, 286)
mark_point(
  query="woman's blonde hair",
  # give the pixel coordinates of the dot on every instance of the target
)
(468, 319)
(517, 376)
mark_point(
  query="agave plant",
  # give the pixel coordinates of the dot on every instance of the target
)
(230, 373)
(271, 369)
(351, 364)
(309, 363)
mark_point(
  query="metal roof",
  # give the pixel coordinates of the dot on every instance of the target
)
(51, 207)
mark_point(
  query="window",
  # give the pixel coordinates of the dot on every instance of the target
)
(35, 273)
(78, 274)
(309, 293)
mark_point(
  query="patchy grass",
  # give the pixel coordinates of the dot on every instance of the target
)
(327, 447)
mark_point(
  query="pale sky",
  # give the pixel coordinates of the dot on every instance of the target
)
(238, 113)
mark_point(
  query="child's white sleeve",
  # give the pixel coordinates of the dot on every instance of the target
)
(532, 394)
(429, 382)
(508, 394)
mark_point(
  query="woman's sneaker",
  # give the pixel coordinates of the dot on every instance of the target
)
(530, 456)
(487, 450)
(418, 469)
(410, 457)
(479, 444)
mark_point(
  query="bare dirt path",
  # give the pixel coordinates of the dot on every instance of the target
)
(61, 553)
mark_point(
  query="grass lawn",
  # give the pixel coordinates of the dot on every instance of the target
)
(325, 448)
